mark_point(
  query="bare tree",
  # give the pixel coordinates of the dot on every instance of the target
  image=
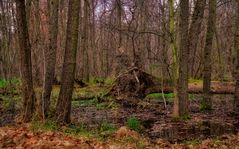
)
(194, 31)
(50, 55)
(206, 103)
(173, 46)
(181, 100)
(63, 107)
(85, 41)
(236, 104)
(25, 54)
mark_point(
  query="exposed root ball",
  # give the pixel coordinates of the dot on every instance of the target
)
(132, 83)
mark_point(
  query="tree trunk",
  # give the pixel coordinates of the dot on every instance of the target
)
(25, 56)
(85, 41)
(236, 103)
(181, 100)
(63, 107)
(164, 27)
(206, 103)
(50, 56)
(119, 21)
(93, 39)
(36, 42)
(194, 32)
(173, 46)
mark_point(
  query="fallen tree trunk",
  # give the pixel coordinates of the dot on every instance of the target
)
(216, 88)
(137, 83)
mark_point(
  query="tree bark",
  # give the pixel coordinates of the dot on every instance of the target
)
(164, 27)
(173, 46)
(181, 100)
(194, 32)
(206, 103)
(25, 56)
(236, 102)
(50, 56)
(119, 20)
(85, 41)
(63, 107)
(36, 42)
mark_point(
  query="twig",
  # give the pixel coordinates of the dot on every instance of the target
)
(137, 79)
(121, 74)
(164, 100)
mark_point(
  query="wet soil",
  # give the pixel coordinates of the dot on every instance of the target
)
(157, 121)
(7, 118)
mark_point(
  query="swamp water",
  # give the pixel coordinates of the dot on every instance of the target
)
(202, 125)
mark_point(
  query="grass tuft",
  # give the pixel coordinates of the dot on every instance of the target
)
(134, 124)
(47, 125)
(5, 83)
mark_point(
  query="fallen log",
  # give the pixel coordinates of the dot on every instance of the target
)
(137, 83)
(197, 88)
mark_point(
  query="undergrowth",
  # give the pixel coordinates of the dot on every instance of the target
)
(98, 80)
(103, 130)
(5, 83)
(134, 124)
(168, 96)
(47, 125)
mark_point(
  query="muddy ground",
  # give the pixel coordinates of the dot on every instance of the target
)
(156, 121)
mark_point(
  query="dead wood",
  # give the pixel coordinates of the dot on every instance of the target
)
(137, 83)
(132, 83)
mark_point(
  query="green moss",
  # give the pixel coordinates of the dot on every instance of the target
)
(90, 91)
(78, 130)
(134, 124)
(47, 125)
(95, 80)
(197, 81)
(192, 142)
(109, 104)
(205, 107)
(85, 103)
(105, 129)
(160, 95)
(108, 81)
(169, 96)
(184, 117)
(71, 130)
(5, 83)
(11, 102)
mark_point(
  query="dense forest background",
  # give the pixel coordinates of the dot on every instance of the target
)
(156, 72)
(139, 28)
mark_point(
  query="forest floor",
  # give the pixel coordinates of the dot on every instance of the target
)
(108, 122)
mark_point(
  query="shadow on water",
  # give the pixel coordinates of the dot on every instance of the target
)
(202, 124)
(157, 121)
(201, 130)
